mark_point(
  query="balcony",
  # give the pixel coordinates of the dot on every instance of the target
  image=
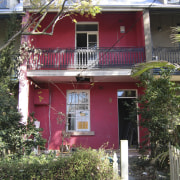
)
(71, 59)
(170, 54)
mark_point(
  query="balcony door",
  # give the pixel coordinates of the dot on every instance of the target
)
(86, 45)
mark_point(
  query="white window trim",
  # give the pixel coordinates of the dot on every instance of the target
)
(88, 32)
(89, 63)
(76, 131)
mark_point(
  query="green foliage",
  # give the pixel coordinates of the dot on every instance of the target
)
(86, 7)
(90, 164)
(82, 6)
(82, 164)
(14, 136)
(175, 36)
(18, 139)
(139, 69)
(159, 110)
(32, 136)
(9, 116)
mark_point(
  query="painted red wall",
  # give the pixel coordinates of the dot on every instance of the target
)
(109, 31)
(140, 29)
(103, 96)
(31, 100)
(103, 114)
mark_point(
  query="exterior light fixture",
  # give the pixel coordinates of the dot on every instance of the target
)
(122, 29)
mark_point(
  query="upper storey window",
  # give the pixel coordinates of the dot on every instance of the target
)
(87, 36)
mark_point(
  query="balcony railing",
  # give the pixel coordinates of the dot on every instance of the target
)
(41, 59)
(170, 54)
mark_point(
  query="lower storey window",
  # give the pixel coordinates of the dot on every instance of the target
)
(78, 110)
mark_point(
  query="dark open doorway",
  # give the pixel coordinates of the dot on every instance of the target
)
(127, 118)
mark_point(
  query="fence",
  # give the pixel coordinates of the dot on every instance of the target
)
(174, 156)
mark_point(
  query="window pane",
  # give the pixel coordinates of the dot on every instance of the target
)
(81, 40)
(82, 107)
(87, 27)
(127, 93)
(71, 108)
(82, 115)
(82, 125)
(71, 122)
(73, 98)
(70, 98)
(92, 45)
(93, 38)
(83, 98)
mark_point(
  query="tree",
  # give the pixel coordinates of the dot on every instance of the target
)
(14, 136)
(39, 10)
(159, 108)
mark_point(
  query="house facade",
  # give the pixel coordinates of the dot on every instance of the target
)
(81, 74)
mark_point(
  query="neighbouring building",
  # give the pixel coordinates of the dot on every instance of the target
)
(83, 71)
(7, 8)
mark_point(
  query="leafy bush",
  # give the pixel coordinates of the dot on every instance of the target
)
(17, 138)
(159, 110)
(82, 164)
(14, 136)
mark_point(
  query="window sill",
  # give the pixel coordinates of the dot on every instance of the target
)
(82, 133)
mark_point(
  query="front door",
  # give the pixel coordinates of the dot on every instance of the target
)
(127, 117)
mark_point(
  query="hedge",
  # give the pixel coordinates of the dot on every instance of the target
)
(82, 164)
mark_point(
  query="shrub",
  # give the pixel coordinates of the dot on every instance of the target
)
(82, 164)
(160, 114)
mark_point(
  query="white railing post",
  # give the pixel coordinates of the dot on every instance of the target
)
(170, 159)
(124, 159)
(174, 156)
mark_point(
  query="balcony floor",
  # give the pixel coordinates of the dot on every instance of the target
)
(95, 75)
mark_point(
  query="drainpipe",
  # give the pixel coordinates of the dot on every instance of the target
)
(147, 35)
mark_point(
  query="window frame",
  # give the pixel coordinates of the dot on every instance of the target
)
(86, 62)
(87, 32)
(77, 131)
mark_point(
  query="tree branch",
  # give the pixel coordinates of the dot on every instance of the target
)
(36, 19)
(56, 17)
(10, 40)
